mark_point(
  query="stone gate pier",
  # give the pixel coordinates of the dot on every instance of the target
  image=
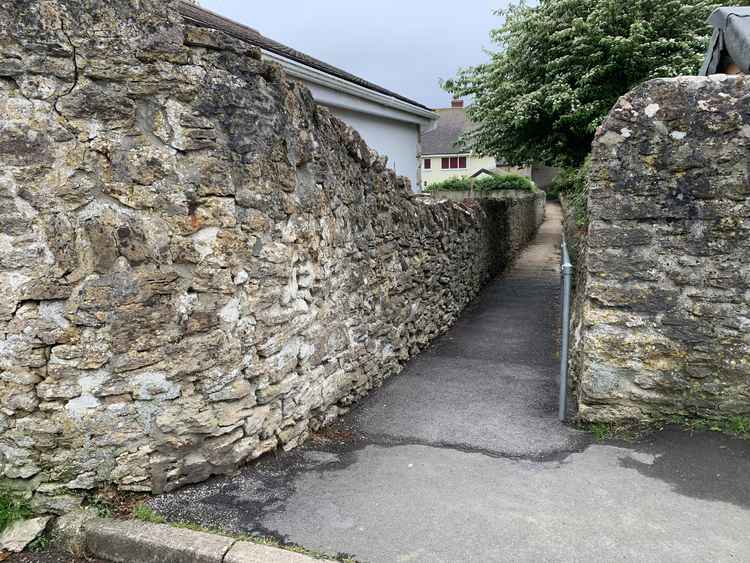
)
(664, 286)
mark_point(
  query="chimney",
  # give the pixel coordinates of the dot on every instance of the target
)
(457, 103)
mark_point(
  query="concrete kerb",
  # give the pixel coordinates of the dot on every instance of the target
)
(132, 541)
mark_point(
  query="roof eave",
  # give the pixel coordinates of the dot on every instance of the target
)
(200, 16)
(301, 71)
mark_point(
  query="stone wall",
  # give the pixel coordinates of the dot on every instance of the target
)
(665, 302)
(198, 264)
(525, 210)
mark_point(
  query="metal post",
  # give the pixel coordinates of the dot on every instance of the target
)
(566, 269)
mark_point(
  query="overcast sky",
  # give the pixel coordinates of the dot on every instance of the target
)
(404, 45)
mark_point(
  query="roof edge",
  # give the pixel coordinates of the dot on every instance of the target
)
(313, 75)
(206, 18)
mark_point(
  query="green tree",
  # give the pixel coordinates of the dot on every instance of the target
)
(563, 64)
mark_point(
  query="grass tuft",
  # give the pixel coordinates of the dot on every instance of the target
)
(40, 544)
(103, 508)
(145, 513)
(738, 426)
(600, 430)
(603, 431)
(12, 509)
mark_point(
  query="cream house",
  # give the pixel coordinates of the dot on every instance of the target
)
(442, 156)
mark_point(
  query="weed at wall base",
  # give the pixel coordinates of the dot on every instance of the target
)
(736, 426)
(147, 514)
(12, 509)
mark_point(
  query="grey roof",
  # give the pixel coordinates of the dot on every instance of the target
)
(730, 41)
(443, 139)
(196, 15)
(483, 171)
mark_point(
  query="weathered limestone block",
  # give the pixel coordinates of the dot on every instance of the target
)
(198, 264)
(664, 309)
(19, 534)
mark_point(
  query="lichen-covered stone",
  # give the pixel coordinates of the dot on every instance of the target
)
(197, 263)
(664, 303)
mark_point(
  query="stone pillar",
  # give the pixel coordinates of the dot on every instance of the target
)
(665, 285)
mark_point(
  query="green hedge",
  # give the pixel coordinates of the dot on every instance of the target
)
(485, 184)
(504, 182)
(452, 185)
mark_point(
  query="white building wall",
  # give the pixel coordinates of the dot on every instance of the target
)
(474, 163)
(388, 125)
(397, 140)
(436, 174)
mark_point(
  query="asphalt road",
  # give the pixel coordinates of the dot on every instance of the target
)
(461, 458)
(49, 557)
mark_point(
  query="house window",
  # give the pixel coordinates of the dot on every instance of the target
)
(453, 163)
(428, 164)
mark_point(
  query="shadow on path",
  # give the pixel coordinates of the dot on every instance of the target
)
(702, 465)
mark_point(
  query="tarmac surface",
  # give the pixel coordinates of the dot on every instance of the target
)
(461, 458)
(50, 556)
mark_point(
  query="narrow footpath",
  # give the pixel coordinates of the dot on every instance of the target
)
(461, 458)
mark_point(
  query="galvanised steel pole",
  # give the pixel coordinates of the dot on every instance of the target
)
(566, 270)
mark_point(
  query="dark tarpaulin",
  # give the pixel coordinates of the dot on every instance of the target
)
(730, 41)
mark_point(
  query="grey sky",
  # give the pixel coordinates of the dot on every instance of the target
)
(403, 45)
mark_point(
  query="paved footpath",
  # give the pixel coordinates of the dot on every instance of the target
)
(461, 458)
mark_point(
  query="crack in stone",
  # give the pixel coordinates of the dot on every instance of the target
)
(228, 549)
(75, 71)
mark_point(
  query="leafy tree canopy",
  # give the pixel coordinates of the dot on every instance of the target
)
(563, 64)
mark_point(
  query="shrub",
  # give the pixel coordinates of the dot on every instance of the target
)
(558, 185)
(485, 184)
(504, 182)
(451, 185)
(572, 183)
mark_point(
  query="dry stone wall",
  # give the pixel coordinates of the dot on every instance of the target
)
(525, 210)
(197, 264)
(664, 292)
